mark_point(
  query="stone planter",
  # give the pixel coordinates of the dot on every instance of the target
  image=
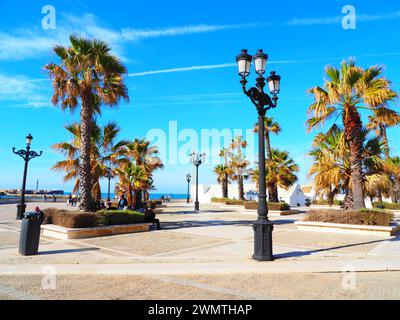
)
(347, 228)
(273, 213)
(58, 232)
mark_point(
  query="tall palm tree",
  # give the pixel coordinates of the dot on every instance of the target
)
(226, 154)
(331, 167)
(221, 172)
(133, 179)
(382, 119)
(280, 171)
(239, 164)
(345, 90)
(90, 76)
(392, 167)
(270, 126)
(144, 157)
(103, 150)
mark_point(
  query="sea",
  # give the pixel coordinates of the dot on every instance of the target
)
(176, 196)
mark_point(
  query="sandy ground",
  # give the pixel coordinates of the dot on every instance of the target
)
(380, 285)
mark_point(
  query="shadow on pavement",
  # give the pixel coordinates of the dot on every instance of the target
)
(310, 252)
(67, 251)
(211, 223)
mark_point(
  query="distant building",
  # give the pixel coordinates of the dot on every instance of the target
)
(293, 196)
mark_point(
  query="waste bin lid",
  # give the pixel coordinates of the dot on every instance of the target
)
(31, 215)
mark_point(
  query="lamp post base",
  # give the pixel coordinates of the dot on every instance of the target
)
(263, 240)
(196, 206)
(21, 207)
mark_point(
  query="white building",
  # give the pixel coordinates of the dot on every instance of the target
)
(293, 196)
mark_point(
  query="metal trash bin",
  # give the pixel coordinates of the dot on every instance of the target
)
(30, 233)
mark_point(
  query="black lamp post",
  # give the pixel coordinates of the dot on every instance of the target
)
(109, 176)
(197, 159)
(27, 155)
(262, 227)
(188, 179)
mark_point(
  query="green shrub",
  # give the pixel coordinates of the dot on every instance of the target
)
(358, 217)
(69, 219)
(279, 206)
(326, 202)
(219, 200)
(386, 205)
(119, 217)
(234, 202)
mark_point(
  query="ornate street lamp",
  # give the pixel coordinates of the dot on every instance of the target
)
(197, 159)
(262, 227)
(27, 155)
(188, 179)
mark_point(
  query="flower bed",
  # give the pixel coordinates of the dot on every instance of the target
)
(386, 205)
(273, 206)
(234, 202)
(219, 200)
(326, 202)
(361, 217)
(77, 219)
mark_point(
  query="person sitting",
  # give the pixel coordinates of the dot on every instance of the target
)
(102, 205)
(122, 203)
(150, 216)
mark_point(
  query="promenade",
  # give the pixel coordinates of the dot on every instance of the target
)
(200, 256)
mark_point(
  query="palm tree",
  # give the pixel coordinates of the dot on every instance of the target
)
(226, 154)
(133, 179)
(331, 167)
(103, 150)
(239, 164)
(270, 126)
(346, 90)
(280, 171)
(392, 167)
(382, 119)
(144, 157)
(90, 76)
(221, 172)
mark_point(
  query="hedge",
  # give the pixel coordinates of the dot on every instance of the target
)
(326, 202)
(219, 200)
(70, 219)
(275, 206)
(119, 217)
(358, 217)
(234, 202)
(386, 205)
(77, 219)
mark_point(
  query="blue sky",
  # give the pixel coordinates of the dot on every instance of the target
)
(201, 37)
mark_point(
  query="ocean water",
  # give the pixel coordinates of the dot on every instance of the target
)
(173, 196)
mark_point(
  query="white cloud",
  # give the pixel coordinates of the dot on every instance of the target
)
(338, 19)
(23, 43)
(14, 89)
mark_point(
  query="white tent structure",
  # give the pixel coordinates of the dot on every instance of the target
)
(293, 196)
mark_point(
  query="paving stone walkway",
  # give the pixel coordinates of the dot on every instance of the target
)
(215, 242)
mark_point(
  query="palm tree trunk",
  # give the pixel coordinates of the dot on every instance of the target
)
(273, 188)
(84, 163)
(226, 186)
(268, 145)
(240, 188)
(352, 127)
(224, 189)
(385, 141)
